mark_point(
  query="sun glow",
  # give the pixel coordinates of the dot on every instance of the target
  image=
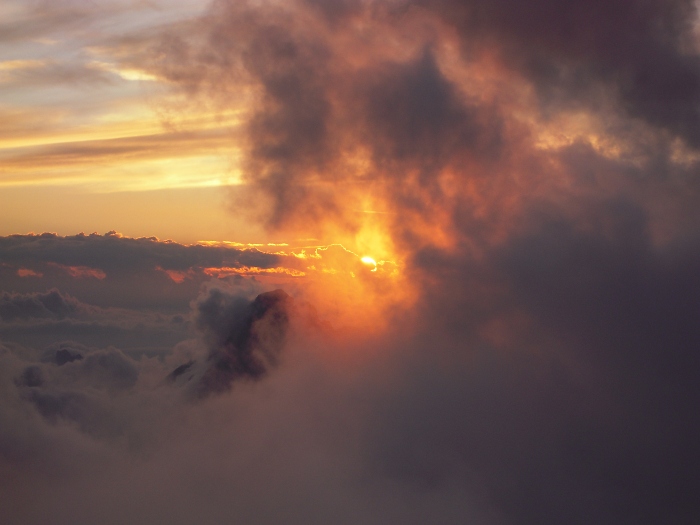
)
(370, 262)
(348, 290)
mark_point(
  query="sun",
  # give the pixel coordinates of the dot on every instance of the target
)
(370, 262)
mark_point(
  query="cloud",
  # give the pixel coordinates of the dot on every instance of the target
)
(524, 151)
(128, 272)
(550, 380)
(28, 74)
(51, 304)
(43, 19)
(39, 320)
(81, 271)
(559, 367)
(457, 108)
(244, 338)
(526, 351)
(644, 54)
(25, 272)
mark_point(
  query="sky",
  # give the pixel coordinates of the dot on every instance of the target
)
(349, 262)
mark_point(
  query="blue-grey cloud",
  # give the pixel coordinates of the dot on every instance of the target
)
(114, 271)
(51, 304)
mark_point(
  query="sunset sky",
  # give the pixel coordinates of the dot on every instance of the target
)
(349, 262)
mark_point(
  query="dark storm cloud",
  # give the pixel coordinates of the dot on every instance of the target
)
(572, 393)
(645, 52)
(312, 108)
(337, 11)
(417, 118)
(323, 88)
(289, 135)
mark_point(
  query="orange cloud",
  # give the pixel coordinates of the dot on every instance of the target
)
(26, 272)
(251, 270)
(177, 276)
(80, 271)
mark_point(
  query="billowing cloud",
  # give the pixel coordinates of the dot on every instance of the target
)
(645, 55)
(244, 338)
(456, 112)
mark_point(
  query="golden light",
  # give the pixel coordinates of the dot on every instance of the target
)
(370, 262)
